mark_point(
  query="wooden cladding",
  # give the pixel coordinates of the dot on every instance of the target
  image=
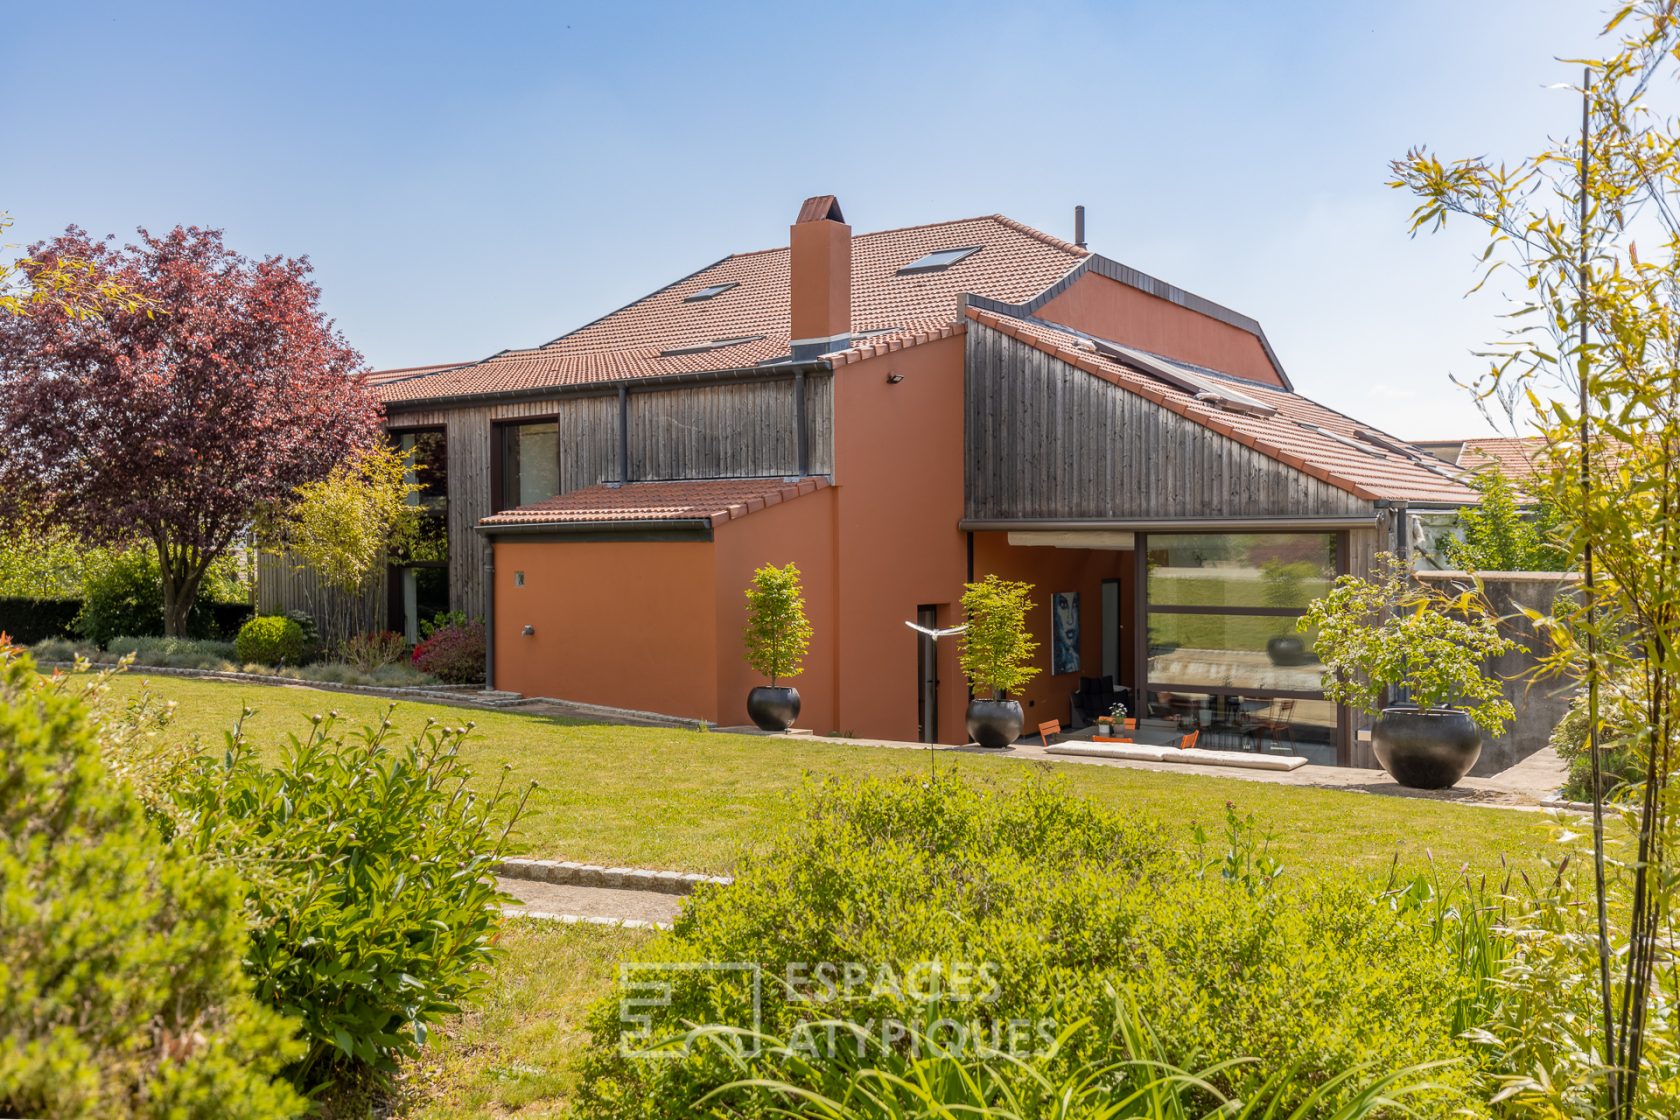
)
(1046, 440)
(732, 429)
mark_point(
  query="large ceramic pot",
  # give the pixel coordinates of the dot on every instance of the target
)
(1426, 748)
(1286, 649)
(773, 709)
(994, 723)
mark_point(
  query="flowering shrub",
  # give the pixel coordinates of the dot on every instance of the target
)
(454, 654)
(374, 649)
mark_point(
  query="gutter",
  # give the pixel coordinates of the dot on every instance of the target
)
(1180, 525)
(611, 387)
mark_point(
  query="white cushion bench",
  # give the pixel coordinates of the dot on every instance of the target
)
(1137, 752)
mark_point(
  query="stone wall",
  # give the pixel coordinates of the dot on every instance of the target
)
(1540, 704)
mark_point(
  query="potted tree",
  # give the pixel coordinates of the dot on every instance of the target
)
(996, 657)
(777, 636)
(1391, 633)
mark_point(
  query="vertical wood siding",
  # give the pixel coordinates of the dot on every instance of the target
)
(1047, 440)
(283, 587)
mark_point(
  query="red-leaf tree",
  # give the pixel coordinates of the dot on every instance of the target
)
(175, 424)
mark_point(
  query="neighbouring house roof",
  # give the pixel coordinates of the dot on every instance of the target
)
(1301, 433)
(1014, 264)
(1512, 456)
(713, 501)
(382, 377)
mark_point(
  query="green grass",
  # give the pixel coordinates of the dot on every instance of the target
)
(651, 797)
(518, 1051)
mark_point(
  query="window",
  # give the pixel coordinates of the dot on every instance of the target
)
(938, 260)
(419, 566)
(709, 292)
(714, 344)
(1224, 654)
(528, 463)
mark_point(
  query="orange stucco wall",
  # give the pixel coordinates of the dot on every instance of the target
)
(1109, 309)
(800, 531)
(624, 623)
(898, 469)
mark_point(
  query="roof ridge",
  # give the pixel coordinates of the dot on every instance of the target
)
(1048, 238)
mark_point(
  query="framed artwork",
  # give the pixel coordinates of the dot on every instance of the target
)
(1064, 646)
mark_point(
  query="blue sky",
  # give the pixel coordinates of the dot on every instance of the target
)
(469, 177)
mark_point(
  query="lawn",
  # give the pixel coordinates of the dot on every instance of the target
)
(652, 797)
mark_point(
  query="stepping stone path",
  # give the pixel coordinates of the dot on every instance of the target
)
(596, 905)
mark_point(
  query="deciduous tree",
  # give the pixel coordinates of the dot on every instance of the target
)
(176, 423)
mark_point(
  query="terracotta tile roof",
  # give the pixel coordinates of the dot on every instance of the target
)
(380, 377)
(1313, 439)
(1512, 456)
(1014, 264)
(715, 501)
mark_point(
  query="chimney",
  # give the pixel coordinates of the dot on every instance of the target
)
(1079, 226)
(819, 279)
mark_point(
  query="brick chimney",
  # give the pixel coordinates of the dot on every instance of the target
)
(819, 279)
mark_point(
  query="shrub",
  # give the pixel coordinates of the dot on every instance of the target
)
(123, 595)
(175, 653)
(372, 650)
(1622, 751)
(62, 649)
(777, 632)
(454, 654)
(121, 993)
(442, 620)
(996, 647)
(270, 639)
(372, 883)
(1075, 913)
(337, 672)
(28, 621)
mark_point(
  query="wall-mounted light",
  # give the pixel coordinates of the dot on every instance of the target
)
(529, 630)
(894, 378)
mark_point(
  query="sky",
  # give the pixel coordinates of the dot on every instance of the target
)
(470, 177)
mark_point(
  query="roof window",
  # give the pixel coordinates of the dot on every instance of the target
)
(1339, 438)
(709, 292)
(938, 260)
(706, 347)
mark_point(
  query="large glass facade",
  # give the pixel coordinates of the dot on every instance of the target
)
(420, 565)
(1224, 652)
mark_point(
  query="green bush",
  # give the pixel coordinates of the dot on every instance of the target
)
(385, 676)
(1074, 912)
(270, 639)
(121, 992)
(175, 653)
(454, 654)
(123, 595)
(372, 879)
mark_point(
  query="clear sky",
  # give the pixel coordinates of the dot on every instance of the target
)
(468, 177)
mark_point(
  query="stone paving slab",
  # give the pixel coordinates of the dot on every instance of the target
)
(556, 901)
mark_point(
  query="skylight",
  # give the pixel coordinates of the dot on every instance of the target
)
(709, 292)
(1207, 390)
(1339, 438)
(704, 347)
(938, 260)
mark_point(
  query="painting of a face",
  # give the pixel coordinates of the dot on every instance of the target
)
(1064, 649)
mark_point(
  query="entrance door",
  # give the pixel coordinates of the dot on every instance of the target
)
(927, 668)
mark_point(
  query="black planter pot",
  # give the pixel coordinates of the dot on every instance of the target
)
(1426, 748)
(773, 709)
(1286, 649)
(994, 723)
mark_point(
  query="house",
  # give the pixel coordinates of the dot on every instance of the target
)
(1515, 457)
(899, 412)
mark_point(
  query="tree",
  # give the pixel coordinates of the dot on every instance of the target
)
(777, 632)
(1499, 536)
(175, 428)
(343, 527)
(996, 647)
(1592, 232)
(74, 287)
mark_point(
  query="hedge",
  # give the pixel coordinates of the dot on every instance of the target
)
(28, 621)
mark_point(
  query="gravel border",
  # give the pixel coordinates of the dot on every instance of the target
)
(571, 874)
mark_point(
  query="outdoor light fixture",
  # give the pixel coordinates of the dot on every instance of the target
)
(529, 630)
(894, 378)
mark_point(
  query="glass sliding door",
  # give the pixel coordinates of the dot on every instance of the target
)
(1223, 651)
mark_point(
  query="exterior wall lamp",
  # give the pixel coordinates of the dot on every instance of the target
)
(894, 378)
(528, 630)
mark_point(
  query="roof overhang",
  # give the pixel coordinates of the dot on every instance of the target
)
(1179, 525)
(775, 372)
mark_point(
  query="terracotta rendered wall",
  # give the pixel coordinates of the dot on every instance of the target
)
(898, 467)
(801, 531)
(1050, 570)
(1115, 311)
(627, 624)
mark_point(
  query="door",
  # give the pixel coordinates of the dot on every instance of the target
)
(927, 669)
(1111, 629)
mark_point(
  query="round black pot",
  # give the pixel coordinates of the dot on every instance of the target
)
(773, 709)
(994, 723)
(1286, 649)
(1426, 748)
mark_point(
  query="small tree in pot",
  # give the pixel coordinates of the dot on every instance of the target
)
(1391, 632)
(777, 636)
(996, 657)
